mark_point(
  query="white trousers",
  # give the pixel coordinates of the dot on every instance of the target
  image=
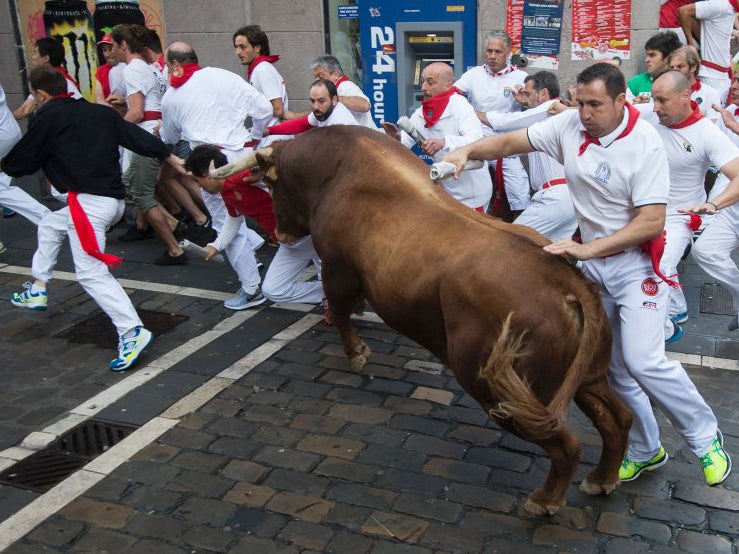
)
(639, 369)
(678, 237)
(92, 274)
(712, 251)
(516, 183)
(20, 201)
(551, 213)
(281, 282)
(240, 251)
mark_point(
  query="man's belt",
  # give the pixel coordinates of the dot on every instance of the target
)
(716, 67)
(554, 183)
(152, 116)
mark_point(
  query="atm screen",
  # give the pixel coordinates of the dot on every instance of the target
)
(421, 64)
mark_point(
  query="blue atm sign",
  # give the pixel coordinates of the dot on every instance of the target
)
(348, 11)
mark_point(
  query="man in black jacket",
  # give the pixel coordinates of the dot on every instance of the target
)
(76, 144)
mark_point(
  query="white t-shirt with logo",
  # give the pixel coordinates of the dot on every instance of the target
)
(706, 96)
(145, 78)
(608, 182)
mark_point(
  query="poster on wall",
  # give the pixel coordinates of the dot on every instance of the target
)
(535, 38)
(601, 30)
(79, 24)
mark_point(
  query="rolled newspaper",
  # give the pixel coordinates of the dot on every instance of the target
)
(404, 124)
(200, 251)
(444, 170)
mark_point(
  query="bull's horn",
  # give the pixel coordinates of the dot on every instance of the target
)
(247, 162)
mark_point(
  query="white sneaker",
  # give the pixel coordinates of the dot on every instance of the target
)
(129, 349)
(242, 300)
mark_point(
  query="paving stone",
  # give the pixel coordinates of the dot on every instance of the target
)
(253, 545)
(619, 546)
(384, 547)
(154, 547)
(345, 542)
(428, 508)
(236, 393)
(562, 537)
(222, 407)
(724, 522)
(249, 494)
(307, 535)
(56, 531)
(196, 421)
(100, 514)
(460, 472)
(201, 484)
(389, 386)
(361, 495)
(263, 377)
(497, 457)
(148, 473)
(266, 414)
(393, 479)
(624, 526)
(102, 540)
(353, 396)
(512, 442)
(392, 457)
(300, 371)
(480, 497)
(302, 356)
(344, 378)
(278, 436)
(25, 548)
(234, 447)
(348, 516)
(148, 499)
(161, 453)
(318, 424)
(438, 396)
(375, 370)
(360, 414)
(669, 511)
(110, 489)
(208, 538)
(453, 539)
(349, 471)
(305, 388)
(700, 543)
(498, 525)
(407, 406)
(478, 436)
(187, 438)
(206, 511)
(306, 508)
(299, 483)
(712, 497)
(395, 526)
(433, 446)
(256, 521)
(271, 398)
(200, 461)
(243, 470)
(156, 526)
(310, 406)
(419, 425)
(233, 427)
(329, 445)
(286, 457)
(374, 434)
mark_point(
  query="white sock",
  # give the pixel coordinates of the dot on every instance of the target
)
(35, 289)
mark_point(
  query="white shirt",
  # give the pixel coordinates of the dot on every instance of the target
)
(141, 77)
(717, 21)
(340, 115)
(458, 126)
(608, 182)
(211, 107)
(116, 79)
(486, 91)
(267, 80)
(542, 168)
(706, 96)
(10, 132)
(721, 126)
(690, 151)
(349, 88)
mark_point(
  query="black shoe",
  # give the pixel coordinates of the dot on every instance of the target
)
(134, 234)
(166, 259)
(201, 234)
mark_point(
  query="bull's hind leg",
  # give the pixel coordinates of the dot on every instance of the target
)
(613, 422)
(344, 292)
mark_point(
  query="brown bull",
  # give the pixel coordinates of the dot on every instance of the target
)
(523, 331)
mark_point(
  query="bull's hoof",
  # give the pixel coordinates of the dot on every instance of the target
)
(594, 489)
(536, 509)
(360, 356)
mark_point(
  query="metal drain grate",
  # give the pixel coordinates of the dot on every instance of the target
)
(73, 450)
(98, 329)
(715, 299)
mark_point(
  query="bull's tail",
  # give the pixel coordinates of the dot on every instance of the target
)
(516, 400)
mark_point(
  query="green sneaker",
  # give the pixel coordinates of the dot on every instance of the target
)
(716, 463)
(630, 469)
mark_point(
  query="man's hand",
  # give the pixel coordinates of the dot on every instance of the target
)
(157, 128)
(558, 107)
(177, 163)
(459, 158)
(391, 130)
(640, 99)
(483, 117)
(211, 252)
(116, 100)
(704, 208)
(570, 248)
(433, 145)
(727, 117)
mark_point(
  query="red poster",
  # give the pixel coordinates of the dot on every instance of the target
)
(514, 23)
(601, 30)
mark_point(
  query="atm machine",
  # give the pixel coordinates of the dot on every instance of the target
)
(399, 38)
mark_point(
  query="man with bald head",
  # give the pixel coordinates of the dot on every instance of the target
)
(447, 121)
(692, 144)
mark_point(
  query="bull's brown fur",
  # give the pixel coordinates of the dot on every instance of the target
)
(522, 330)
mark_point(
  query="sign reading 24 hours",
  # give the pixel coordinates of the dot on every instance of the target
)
(383, 45)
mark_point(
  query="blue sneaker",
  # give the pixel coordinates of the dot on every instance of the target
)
(242, 300)
(2, 248)
(33, 301)
(7, 212)
(677, 334)
(129, 349)
(682, 317)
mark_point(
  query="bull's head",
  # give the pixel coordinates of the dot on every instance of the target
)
(262, 165)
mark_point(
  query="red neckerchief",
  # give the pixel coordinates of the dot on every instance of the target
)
(501, 72)
(340, 80)
(735, 4)
(86, 233)
(655, 247)
(433, 108)
(256, 61)
(187, 71)
(695, 87)
(736, 112)
(633, 115)
(694, 117)
(67, 76)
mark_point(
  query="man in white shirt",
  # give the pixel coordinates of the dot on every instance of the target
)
(489, 88)
(692, 144)
(618, 177)
(551, 212)
(687, 61)
(448, 121)
(329, 68)
(187, 113)
(716, 18)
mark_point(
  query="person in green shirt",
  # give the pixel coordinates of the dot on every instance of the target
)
(658, 48)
